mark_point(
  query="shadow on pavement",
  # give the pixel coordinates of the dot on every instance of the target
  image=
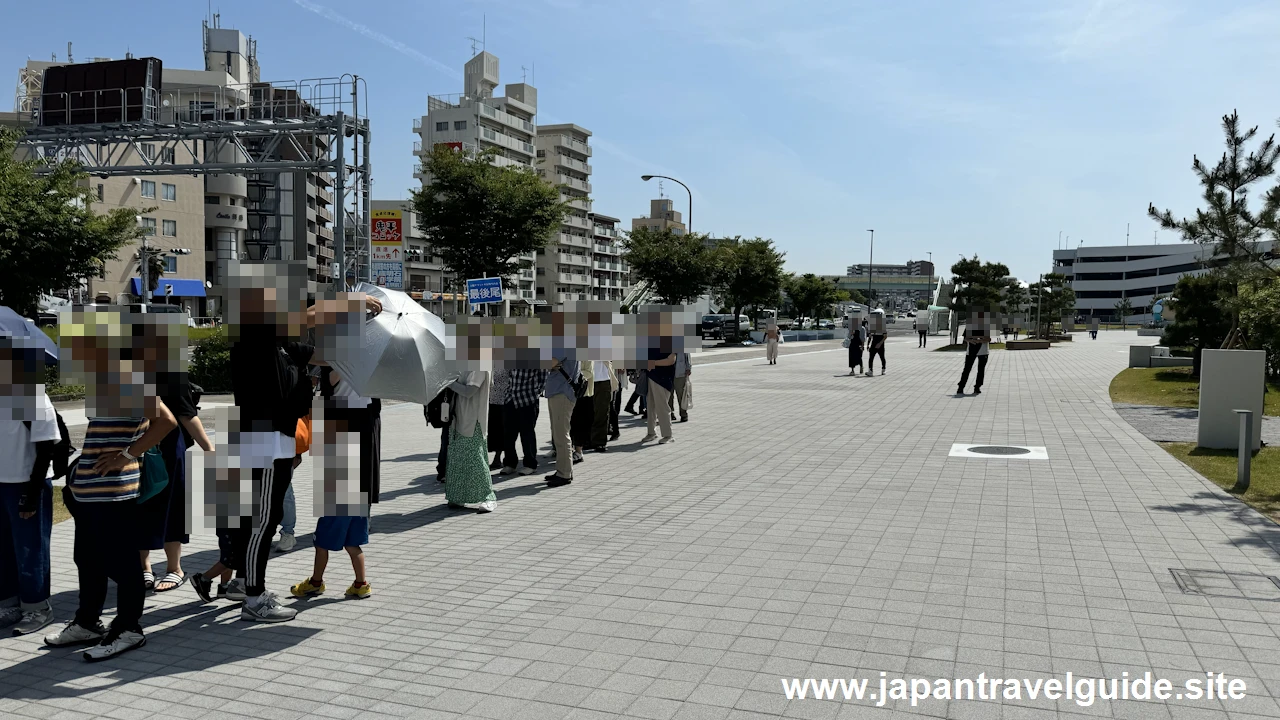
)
(1258, 530)
(199, 642)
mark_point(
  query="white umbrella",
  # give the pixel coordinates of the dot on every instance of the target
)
(403, 356)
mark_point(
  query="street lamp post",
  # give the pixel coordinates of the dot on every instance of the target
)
(871, 266)
(688, 224)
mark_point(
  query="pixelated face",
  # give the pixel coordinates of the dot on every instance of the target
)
(271, 294)
(340, 324)
(21, 366)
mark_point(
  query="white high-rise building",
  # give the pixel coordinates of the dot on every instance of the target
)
(564, 271)
(476, 120)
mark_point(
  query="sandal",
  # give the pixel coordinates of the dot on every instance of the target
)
(149, 581)
(174, 579)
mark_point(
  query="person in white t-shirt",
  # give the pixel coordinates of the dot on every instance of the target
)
(28, 433)
(978, 347)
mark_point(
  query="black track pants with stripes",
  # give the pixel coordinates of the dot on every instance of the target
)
(252, 541)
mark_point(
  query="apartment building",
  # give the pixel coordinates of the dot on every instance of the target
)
(476, 120)
(662, 216)
(221, 219)
(564, 266)
(918, 268)
(610, 274)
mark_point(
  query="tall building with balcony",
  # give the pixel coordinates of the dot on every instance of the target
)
(476, 121)
(564, 267)
(610, 274)
(662, 216)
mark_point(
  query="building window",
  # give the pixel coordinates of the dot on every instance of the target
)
(442, 126)
(170, 263)
(170, 228)
(148, 189)
(459, 124)
(148, 151)
(99, 192)
(212, 200)
(149, 226)
(170, 192)
(167, 155)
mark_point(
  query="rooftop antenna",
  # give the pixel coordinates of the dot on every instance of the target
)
(473, 45)
(69, 60)
(1126, 234)
(523, 73)
(660, 193)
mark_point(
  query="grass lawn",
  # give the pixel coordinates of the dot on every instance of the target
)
(959, 347)
(1172, 387)
(1220, 467)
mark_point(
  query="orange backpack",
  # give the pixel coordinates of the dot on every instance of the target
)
(302, 438)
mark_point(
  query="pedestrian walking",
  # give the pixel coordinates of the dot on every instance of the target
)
(561, 400)
(469, 483)
(771, 339)
(977, 348)
(875, 346)
(29, 438)
(922, 328)
(662, 378)
(520, 414)
(856, 340)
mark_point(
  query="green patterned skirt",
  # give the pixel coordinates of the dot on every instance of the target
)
(468, 480)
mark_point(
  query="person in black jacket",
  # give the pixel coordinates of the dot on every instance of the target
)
(272, 390)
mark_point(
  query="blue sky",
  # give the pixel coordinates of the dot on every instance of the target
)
(982, 126)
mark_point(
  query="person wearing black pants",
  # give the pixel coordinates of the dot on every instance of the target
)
(101, 553)
(922, 334)
(615, 407)
(520, 414)
(876, 349)
(254, 535)
(979, 350)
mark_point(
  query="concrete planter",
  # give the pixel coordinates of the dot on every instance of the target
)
(1027, 345)
(1230, 380)
(1150, 332)
(1139, 356)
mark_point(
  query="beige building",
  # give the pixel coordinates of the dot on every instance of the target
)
(610, 274)
(220, 219)
(564, 266)
(475, 121)
(662, 216)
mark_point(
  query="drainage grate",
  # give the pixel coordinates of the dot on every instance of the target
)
(1216, 583)
(999, 450)
(987, 451)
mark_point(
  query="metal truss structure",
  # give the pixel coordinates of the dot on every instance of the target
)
(251, 129)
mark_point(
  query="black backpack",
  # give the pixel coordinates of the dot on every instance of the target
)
(62, 449)
(295, 387)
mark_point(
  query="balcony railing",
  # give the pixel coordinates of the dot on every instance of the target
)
(572, 162)
(607, 250)
(417, 124)
(566, 141)
(571, 259)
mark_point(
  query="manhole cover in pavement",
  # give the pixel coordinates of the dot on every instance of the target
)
(1216, 583)
(999, 450)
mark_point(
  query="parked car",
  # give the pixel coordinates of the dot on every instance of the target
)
(826, 325)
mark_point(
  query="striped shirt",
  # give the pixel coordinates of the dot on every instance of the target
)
(105, 437)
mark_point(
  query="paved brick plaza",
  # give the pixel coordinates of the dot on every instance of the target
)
(805, 524)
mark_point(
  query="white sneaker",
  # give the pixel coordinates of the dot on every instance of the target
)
(266, 608)
(526, 470)
(114, 644)
(507, 470)
(666, 440)
(650, 437)
(73, 634)
(235, 589)
(870, 373)
(881, 371)
(286, 542)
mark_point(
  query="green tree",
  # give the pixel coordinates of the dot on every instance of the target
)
(679, 268)
(1015, 296)
(1226, 225)
(810, 294)
(978, 286)
(50, 237)
(1049, 300)
(749, 273)
(922, 305)
(480, 217)
(1199, 320)
(1124, 309)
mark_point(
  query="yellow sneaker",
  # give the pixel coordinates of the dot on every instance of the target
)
(361, 592)
(306, 589)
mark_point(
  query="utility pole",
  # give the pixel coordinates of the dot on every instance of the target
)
(1039, 304)
(143, 268)
(871, 266)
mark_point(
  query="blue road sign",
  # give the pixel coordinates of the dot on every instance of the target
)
(484, 290)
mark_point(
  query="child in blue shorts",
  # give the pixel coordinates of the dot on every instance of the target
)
(332, 535)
